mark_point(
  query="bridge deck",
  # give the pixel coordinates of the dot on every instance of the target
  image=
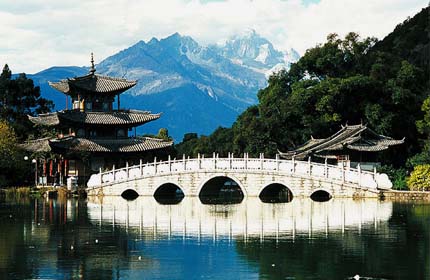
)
(304, 169)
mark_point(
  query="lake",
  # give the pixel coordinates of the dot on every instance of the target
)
(112, 238)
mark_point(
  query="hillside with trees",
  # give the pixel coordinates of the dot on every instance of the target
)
(384, 84)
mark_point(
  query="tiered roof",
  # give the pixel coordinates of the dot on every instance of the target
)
(352, 137)
(38, 145)
(125, 117)
(93, 83)
(103, 145)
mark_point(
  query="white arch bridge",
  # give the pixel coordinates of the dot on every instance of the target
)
(250, 175)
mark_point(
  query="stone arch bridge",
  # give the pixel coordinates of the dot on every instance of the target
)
(251, 175)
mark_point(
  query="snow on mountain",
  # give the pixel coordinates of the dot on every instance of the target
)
(257, 53)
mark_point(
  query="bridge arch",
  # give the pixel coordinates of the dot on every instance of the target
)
(129, 194)
(168, 193)
(276, 192)
(221, 188)
(321, 195)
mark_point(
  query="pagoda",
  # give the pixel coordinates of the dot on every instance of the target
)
(350, 146)
(92, 134)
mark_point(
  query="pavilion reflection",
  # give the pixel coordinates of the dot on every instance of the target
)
(249, 219)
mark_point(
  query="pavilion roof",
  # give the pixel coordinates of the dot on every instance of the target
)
(104, 145)
(38, 145)
(93, 83)
(126, 117)
(352, 137)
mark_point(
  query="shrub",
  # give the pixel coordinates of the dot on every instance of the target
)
(420, 178)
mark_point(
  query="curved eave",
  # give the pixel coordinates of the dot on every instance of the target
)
(129, 145)
(93, 84)
(61, 86)
(117, 118)
(50, 119)
(101, 84)
(36, 146)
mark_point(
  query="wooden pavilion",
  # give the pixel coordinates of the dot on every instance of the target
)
(350, 146)
(92, 134)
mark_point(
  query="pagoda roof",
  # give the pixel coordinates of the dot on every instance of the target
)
(93, 83)
(352, 137)
(38, 145)
(105, 145)
(128, 117)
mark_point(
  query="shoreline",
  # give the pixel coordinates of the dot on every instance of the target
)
(50, 192)
(406, 196)
(62, 192)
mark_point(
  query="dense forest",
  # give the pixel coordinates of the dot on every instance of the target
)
(384, 84)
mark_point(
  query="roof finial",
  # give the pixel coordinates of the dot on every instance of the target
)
(92, 69)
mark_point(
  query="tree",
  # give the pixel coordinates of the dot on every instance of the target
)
(13, 167)
(19, 98)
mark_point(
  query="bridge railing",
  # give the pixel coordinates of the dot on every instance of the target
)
(364, 179)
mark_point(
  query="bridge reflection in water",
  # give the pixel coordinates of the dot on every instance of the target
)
(249, 219)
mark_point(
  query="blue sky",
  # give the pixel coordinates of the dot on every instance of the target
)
(43, 33)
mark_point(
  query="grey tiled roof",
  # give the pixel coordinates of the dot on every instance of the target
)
(93, 83)
(39, 145)
(353, 137)
(109, 118)
(49, 119)
(130, 117)
(127, 145)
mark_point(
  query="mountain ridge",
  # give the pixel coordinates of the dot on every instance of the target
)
(202, 76)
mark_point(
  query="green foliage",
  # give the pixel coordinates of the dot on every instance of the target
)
(13, 167)
(19, 98)
(424, 124)
(163, 133)
(396, 175)
(420, 178)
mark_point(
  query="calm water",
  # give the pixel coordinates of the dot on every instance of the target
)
(115, 239)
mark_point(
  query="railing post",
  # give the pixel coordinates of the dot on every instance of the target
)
(245, 157)
(359, 175)
(155, 165)
(374, 173)
(140, 167)
(113, 172)
(184, 163)
(261, 160)
(230, 160)
(277, 162)
(343, 173)
(325, 168)
(100, 172)
(188, 159)
(309, 165)
(170, 164)
(214, 159)
(199, 161)
(294, 164)
(126, 170)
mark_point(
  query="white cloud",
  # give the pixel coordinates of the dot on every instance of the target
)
(43, 33)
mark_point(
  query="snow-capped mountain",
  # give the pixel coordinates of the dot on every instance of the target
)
(198, 88)
(251, 50)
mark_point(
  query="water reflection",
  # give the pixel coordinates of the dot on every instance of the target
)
(247, 219)
(143, 239)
